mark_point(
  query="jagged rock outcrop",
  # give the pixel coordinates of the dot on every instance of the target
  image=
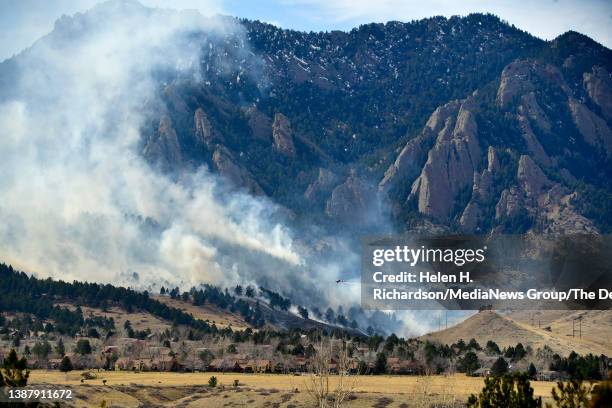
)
(522, 77)
(548, 204)
(260, 124)
(203, 129)
(322, 186)
(353, 200)
(483, 191)
(450, 166)
(283, 135)
(598, 85)
(593, 129)
(225, 164)
(163, 147)
(518, 194)
(529, 112)
(409, 162)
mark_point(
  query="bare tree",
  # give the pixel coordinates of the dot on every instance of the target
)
(318, 384)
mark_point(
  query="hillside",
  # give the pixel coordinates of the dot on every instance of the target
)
(209, 313)
(506, 331)
(330, 124)
(595, 325)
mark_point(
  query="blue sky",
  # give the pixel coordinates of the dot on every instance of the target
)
(23, 21)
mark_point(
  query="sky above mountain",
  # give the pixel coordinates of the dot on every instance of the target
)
(24, 21)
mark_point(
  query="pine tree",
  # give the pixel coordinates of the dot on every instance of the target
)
(65, 365)
(531, 371)
(59, 348)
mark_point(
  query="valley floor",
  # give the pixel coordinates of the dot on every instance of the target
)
(156, 389)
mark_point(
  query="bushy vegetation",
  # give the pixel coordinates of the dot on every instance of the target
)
(509, 391)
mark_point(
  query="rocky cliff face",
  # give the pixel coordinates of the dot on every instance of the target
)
(598, 84)
(283, 135)
(502, 133)
(203, 129)
(464, 183)
(548, 204)
(163, 147)
(225, 164)
(450, 164)
(354, 200)
(322, 186)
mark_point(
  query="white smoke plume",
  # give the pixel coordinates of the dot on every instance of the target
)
(78, 201)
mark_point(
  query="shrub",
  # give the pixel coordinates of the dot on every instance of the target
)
(602, 394)
(572, 394)
(65, 365)
(509, 391)
(212, 381)
(13, 372)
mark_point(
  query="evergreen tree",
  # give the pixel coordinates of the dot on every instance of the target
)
(531, 371)
(83, 347)
(469, 363)
(508, 391)
(65, 365)
(59, 348)
(380, 366)
(499, 368)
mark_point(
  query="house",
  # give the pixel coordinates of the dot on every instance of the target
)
(300, 364)
(545, 375)
(257, 366)
(482, 372)
(54, 363)
(125, 364)
(215, 364)
(399, 366)
(227, 365)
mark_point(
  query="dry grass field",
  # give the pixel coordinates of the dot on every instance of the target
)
(221, 318)
(129, 389)
(138, 320)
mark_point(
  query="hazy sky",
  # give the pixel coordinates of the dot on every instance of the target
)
(23, 21)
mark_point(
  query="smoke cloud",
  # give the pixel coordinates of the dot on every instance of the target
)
(78, 201)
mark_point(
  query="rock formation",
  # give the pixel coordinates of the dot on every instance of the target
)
(283, 135)
(352, 200)
(163, 147)
(225, 164)
(450, 165)
(598, 85)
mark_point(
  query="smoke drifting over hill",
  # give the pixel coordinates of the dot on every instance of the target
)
(78, 199)
(80, 202)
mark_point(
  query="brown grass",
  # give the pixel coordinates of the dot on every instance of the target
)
(191, 390)
(512, 329)
(221, 318)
